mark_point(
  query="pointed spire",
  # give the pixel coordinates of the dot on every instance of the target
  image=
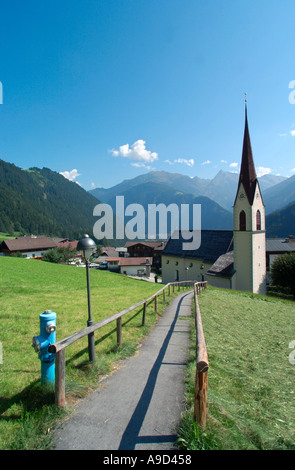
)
(247, 173)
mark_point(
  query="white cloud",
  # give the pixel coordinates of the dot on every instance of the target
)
(293, 170)
(142, 165)
(292, 132)
(206, 162)
(137, 151)
(283, 135)
(233, 165)
(261, 170)
(223, 161)
(189, 162)
(70, 175)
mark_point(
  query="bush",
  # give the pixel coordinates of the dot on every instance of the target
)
(283, 272)
(59, 254)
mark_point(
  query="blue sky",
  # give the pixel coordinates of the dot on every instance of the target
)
(106, 90)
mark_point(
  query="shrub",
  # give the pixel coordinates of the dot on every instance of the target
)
(283, 272)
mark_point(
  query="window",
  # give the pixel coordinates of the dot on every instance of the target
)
(242, 221)
(258, 220)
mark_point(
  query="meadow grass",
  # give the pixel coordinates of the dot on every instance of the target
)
(27, 288)
(251, 382)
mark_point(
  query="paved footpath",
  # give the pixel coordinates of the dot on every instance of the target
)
(139, 406)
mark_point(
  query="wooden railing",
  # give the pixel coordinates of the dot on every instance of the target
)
(202, 363)
(59, 348)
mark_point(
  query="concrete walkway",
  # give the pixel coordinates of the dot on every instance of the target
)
(140, 405)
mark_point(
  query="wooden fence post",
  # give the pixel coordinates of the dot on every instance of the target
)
(164, 295)
(200, 405)
(60, 373)
(156, 303)
(143, 314)
(119, 332)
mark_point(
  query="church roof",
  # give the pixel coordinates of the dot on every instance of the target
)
(247, 172)
(214, 243)
(223, 266)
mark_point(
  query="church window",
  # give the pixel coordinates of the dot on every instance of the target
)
(242, 221)
(258, 220)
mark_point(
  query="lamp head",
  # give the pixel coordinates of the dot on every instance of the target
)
(87, 246)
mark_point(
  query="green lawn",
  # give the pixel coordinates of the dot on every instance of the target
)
(251, 383)
(27, 288)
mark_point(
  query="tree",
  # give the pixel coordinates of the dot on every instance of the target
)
(283, 272)
(59, 254)
(53, 256)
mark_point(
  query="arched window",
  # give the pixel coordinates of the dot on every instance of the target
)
(242, 221)
(258, 220)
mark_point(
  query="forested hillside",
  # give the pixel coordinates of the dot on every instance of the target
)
(43, 202)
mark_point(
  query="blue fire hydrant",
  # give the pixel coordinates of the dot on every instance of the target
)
(41, 343)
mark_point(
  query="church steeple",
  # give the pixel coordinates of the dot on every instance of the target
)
(249, 225)
(247, 172)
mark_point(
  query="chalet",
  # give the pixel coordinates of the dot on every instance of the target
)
(130, 266)
(29, 247)
(151, 249)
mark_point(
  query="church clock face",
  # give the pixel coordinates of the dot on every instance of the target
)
(257, 196)
(242, 196)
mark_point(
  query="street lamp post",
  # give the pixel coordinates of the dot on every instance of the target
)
(87, 246)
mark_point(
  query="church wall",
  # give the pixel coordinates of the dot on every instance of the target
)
(243, 261)
(174, 268)
(216, 281)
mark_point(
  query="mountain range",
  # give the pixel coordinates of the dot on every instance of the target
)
(221, 189)
(42, 201)
(216, 196)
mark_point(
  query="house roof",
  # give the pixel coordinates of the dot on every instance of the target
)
(72, 244)
(157, 245)
(28, 244)
(108, 249)
(277, 245)
(214, 243)
(143, 261)
(223, 266)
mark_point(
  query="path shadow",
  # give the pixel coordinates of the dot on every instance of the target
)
(131, 434)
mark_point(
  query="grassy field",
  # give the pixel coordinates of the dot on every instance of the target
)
(251, 382)
(27, 288)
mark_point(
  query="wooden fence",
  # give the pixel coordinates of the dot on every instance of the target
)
(202, 363)
(59, 348)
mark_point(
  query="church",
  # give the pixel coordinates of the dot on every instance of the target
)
(233, 259)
